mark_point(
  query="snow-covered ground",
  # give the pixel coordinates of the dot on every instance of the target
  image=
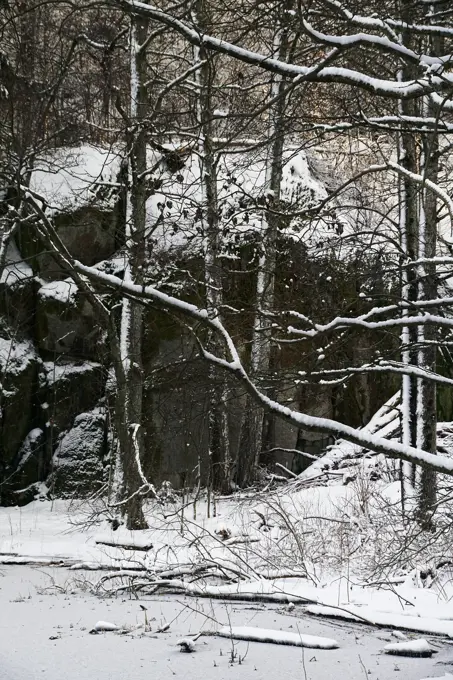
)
(46, 616)
(284, 566)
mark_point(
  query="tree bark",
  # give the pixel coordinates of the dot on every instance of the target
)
(252, 429)
(218, 422)
(427, 393)
(129, 374)
(409, 222)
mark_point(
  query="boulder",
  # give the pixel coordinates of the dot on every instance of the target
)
(17, 291)
(21, 483)
(89, 234)
(18, 376)
(78, 462)
(66, 322)
(68, 388)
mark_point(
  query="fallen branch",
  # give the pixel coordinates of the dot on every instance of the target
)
(277, 637)
(420, 648)
(125, 546)
(226, 593)
(385, 619)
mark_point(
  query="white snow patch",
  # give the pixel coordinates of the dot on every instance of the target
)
(55, 372)
(104, 626)
(278, 637)
(16, 270)
(62, 291)
(15, 355)
(69, 179)
(186, 645)
(418, 647)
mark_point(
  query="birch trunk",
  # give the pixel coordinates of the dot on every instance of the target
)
(418, 239)
(128, 369)
(426, 389)
(427, 394)
(251, 436)
(409, 218)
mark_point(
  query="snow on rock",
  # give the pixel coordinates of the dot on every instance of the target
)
(298, 183)
(104, 627)
(399, 635)
(16, 270)
(447, 676)
(70, 179)
(61, 291)
(73, 178)
(30, 446)
(177, 223)
(418, 647)
(16, 355)
(65, 370)
(278, 637)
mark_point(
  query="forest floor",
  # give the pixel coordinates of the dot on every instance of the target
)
(327, 566)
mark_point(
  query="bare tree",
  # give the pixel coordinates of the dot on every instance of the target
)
(251, 437)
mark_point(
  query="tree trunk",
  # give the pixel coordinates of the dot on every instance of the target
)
(128, 408)
(409, 219)
(427, 393)
(218, 425)
(419, 222)
(251, 436)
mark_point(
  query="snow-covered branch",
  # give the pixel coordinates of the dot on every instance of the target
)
(235, 367)
(387, 88)
(378, 42)
(381, 367)
(388, 25)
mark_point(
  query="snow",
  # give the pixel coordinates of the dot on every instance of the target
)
(278, 637)
(70, 179)
(419, 624)
(16, 355)
(186, 645)
(172, 215)
(28, 447)
(418, 647)
(16, 270)
(61, 291)
(51, 611)
(47, 615)
(104, 626)
(375, 40)
(54, 371)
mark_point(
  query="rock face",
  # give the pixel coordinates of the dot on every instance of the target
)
(51, 347)
(40, 407)
(78, 462)
(54, 358)
(65, 322)
(26, 469)
(68, 388)
(19, 373)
